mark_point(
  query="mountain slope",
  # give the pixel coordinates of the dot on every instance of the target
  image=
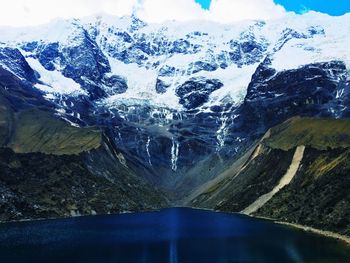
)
(316, 190)
(50, 169)
(47, 135)
(319, 194)
(37, 185)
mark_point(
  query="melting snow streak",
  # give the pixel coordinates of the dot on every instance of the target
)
(147, 150)
(174, 154)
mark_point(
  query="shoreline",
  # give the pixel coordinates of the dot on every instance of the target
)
(320, 232)
(324, 233)
(26, 220)
(309, 229)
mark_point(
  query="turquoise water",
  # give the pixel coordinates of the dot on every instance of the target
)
(170, 235)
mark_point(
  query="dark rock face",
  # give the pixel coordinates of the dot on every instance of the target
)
(203, 66)
(313, 79)
(92, 65)
(125, 36)
(136, 24)
(290, 33)
(167, 71)
(163, 141)
(180, 46)
(116, 83)
(141, 47)
(48, 55)
(20, 94)
(15, 62)
(84, 62)
(195, 92)
(248, 50)
(30, 46)
(161, 86)
(308, 91)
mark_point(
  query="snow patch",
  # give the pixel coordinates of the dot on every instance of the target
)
(141, 86)
(53, 82)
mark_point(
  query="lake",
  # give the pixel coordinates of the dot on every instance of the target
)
(170, 235)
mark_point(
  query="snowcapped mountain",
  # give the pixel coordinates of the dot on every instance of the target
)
(152, 61)
(178, 98)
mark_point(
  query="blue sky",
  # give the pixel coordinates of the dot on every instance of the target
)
(332, 7)
(204, 3)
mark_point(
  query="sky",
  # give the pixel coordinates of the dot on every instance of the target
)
(331, 7)
(34, 12)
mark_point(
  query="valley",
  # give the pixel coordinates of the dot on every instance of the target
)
(107, 115)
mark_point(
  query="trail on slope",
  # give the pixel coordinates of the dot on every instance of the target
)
(285, 180)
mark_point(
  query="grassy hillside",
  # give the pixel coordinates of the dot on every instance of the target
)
(320, 134)
(6, 121)
(31, 129)
(37, 131)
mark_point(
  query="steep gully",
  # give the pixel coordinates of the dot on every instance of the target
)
(285, 180)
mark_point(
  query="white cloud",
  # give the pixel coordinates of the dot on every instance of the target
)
(162, 10)
(235, 10)
(33, 12)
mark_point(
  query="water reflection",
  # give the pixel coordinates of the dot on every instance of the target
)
(173, 252)
(171, 235)
(293, 253)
